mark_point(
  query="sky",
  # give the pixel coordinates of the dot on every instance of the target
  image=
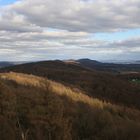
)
(34, 30)
(6, 2)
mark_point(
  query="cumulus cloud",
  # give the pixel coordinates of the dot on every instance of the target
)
(77, 15)
(51, 29)
(14, 22)
(51, 45)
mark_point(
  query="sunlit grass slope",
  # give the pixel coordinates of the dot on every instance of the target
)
(34, 108)
(104, 86)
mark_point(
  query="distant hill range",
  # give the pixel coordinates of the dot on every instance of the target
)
(7, 63)
(116, 67)
(113, 67)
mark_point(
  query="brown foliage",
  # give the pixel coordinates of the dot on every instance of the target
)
(34, 108)
(101, 85)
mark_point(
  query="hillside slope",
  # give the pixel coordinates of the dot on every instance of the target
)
(34, 108)
(112, 67)
(5, 64)
(101, 85)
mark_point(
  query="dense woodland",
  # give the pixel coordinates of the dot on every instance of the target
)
(33, 108)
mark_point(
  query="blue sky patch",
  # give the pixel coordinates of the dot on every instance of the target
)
(118, 35)
(6, 2)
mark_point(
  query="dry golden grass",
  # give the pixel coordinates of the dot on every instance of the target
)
(43, 106)
(24, 79)
(61, 90)
(31, 80)
(75, 96)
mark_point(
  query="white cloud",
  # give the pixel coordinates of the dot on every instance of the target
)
(44, 29)
(77, 15)
(49, 45)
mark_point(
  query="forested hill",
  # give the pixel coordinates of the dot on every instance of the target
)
(35, 108)
(97, 84)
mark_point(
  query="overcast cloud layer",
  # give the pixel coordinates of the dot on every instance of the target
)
(52, 29)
